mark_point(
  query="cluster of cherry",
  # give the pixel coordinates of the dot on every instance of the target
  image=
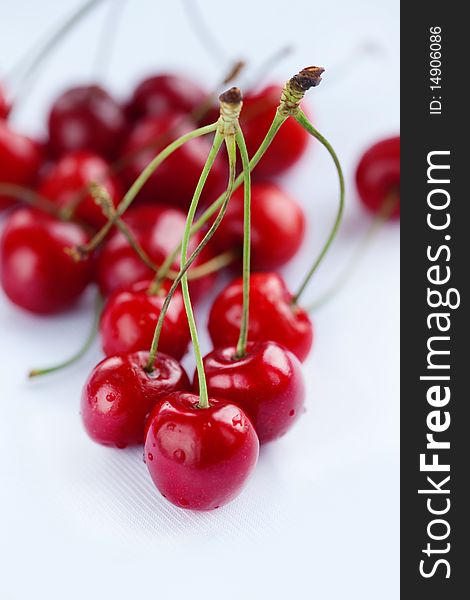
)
(111, 198)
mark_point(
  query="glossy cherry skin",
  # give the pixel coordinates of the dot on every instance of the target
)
(290, 142)
(378, 175)
(4, 104)
(158, 229)
(199, 458)
(176, 178)
(86, 118)
(35, 271)
(164, 93)
(69, 178)
(277, 226)
(20, 159)
(272, 315)
(130, 316)
(267, 383)
(119, 395)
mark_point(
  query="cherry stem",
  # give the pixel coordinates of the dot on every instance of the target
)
(303, 120)
(195, 115)
(35, 200)
(141, 181)
(166, 303)
(243, 339)
(203, 32)
(107, 40)
(292, 94)
(384, 214)
(36, 56)
(82, 351)
(210, 266)
(203, 395)
(215, 206)
(32, 198)
(104, 201)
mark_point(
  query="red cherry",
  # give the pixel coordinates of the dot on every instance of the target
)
(4, 104)
(378, 175)
(86, 118)
(36, 273)
(165, 93)
(130, 316)
(176, 178)
(20, 159)
(158, 230)
(119, 394)
(70, 176)
(255, 119)
(272, 315)
(277, 226)
(199, 458)
(267, 383)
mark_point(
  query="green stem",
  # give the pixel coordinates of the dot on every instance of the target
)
(141, 180)
(31, 197)
(215, 206)
(212, 265)
(242, 340)
(303, 120)
(83, 350)
(382, 217)
(203, 395)
(158, 329)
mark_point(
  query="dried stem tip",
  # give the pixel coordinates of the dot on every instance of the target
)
(77, 253)
(307, 78)
(231, 96)
(238, 66)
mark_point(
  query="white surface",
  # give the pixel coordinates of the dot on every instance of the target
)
(319, 519)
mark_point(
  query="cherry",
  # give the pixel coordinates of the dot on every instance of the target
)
(176, 178)
(36, 273)
(4, 104)
(272, 315)
(289, 144)
(378, 175)
(277, 226)
(20, 159)
(267, 383)
(119, 394)
(165, 93)
(130, 316)
(158, 230)
(199, 458)
(66, 181)
(86, 118)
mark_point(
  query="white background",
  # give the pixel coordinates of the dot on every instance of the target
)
(319, 519)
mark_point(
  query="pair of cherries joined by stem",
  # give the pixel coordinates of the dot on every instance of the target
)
(201, 448)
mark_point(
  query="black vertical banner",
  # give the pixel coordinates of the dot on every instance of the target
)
(435, 323)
